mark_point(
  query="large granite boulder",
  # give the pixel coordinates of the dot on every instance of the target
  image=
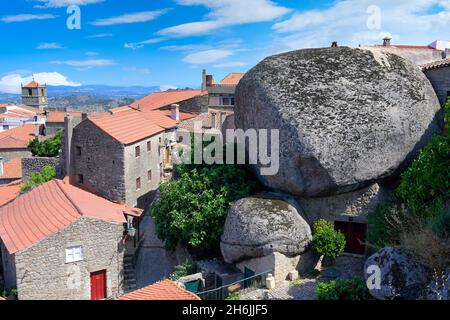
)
(402, 276)
(347, 117)
(258, 226)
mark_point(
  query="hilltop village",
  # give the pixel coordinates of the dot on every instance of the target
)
(77, 190)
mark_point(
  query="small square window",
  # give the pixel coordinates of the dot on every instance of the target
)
(149, 175)
(138, 183)
(80, 179)
(149, 146)
(138, 151)
(74, 254)
(78, 151)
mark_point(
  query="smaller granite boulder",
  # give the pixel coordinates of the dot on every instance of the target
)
(258, 226)
(402, 276)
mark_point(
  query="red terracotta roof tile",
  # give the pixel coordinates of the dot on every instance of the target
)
(163, 290)
(8, 193)
(17, 138)
(48, 209)
(436, 64)
(12, 169)
(232, 78)
(158, 100)
(33, 84)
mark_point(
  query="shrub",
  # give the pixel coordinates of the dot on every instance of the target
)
(326, 241)
(354, 289)
(46, 148)
(183, 270)
(48, 173)
(193, 208)
(233, 296)
(427, 179)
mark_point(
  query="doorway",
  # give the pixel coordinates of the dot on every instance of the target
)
(355, 236)
(98, 285)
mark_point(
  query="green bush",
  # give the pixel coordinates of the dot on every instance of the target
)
(46, 148)
(326, 241)
(193, 208)
(233, 296)
(48, 173)
(354, 289)
(183, 270)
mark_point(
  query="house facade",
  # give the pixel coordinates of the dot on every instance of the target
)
(69, 247)
(14, 142)
(439, 75)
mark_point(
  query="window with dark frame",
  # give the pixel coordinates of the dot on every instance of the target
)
(149, 175)
(138, 151)
(78, 151)
(138, 183)
(149, 146)
(30, 92)
(80, 179)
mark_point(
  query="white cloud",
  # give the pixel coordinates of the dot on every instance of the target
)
(100, 35)
(145, 71)
(131, 18)
(92, 53)
(141, 44)
(232, 64)
(11, 83)
(167, 87)
(187, 47)
(225, 13)
(207, 56)
(64, 3)
(49, 45)
(89, 63)
(27, 17)
(408, 21)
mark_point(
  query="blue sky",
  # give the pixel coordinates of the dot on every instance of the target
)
(167, 43)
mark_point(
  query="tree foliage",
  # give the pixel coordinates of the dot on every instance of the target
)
(326, 241)
(193, 208)
(48, 173)
(353, 289)
(46, 148)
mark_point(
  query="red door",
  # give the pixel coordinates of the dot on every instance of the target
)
(355, 236)
(98, 285)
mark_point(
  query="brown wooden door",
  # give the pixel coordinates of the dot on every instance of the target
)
(98, 285)
(355, 236)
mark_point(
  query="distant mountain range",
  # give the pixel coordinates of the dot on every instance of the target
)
(88, 97)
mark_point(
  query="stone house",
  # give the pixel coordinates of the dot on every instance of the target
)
(125, 155)
(61, 242)
(439, 75)
(14, 142)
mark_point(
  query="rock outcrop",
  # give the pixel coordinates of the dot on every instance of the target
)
(347, 117)
(402, 276)
(258, 226)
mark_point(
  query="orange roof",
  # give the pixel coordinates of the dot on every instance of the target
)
(132, 125)
(158, 100)
(49, 208)
(17, 138)
(8, 193)
(12, 169)
(436, 64)
(163, 290)
(232, 78)
(33, 84)
(58, 116)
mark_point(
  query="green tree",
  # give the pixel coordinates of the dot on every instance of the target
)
(46, 148)
(48, 173)
(326, 241)
(193, 208)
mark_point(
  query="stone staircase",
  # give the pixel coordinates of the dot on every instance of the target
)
(129, 276)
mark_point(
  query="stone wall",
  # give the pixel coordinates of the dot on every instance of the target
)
(36, 164)
(101, 161)
(440, 79)
(10, 154)
(197, 104)
(43, 274)
(53, 127)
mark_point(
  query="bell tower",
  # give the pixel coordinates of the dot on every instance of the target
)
(35, 95)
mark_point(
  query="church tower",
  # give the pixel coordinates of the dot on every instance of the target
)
(35, 95)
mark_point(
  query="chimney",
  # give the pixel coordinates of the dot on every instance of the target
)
(84, 116)
(1, 166)
(334, 44)
(387, 41)
(209, 80)
(175, 112)
(204, 80)
(36, 130)
(447, 53)
(70, 123)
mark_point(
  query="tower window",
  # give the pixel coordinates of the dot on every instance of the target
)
(30, 92)
(42, 92)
